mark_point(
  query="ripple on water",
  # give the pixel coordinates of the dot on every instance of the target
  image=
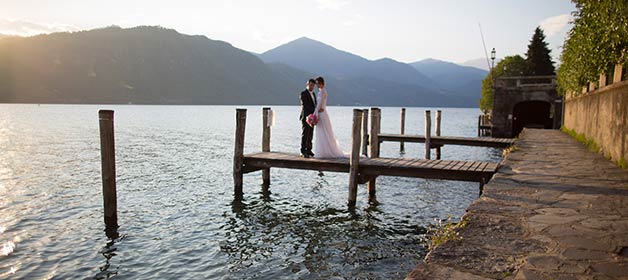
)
(176, 211)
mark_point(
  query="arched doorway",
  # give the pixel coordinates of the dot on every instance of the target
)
(532, 114)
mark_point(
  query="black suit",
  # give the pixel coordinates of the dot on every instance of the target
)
(307, 107)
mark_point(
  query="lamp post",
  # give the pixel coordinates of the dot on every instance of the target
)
(492, 58)
(493, 52)
(492, 69)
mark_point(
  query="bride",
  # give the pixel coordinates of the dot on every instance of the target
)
(326, 144)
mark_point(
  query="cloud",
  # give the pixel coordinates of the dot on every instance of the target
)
(27, 28)
(333, 5)
(553, 25)
(353, 20)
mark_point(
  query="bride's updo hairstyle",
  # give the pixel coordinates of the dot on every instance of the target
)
(320, 81)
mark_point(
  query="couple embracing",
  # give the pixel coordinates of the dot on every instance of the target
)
(314, 117)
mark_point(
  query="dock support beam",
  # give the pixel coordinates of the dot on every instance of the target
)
(403, 129)
(238, 152)
(354, 159)
(428, 133)
(438, 116)
(375, 128)
(108, 166)
(365, 132)
(266, 144)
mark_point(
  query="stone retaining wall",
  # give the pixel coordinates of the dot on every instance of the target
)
(602, 116)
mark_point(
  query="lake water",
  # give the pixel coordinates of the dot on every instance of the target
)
(177, 215)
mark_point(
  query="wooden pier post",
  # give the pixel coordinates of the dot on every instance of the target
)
(403, 129)
(365, 132)
(266, 143)
(375, 128)
(428, 133)
(479, 125)
(238, 152)
(438, 116)
(108, 166)
(354, 159)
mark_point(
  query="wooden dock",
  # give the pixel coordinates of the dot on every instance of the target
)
(474, 171)
(450, 140)
(361, 169)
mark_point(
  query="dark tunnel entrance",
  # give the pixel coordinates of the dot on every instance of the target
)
(532, 114)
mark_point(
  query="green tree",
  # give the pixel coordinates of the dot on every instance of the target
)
(538, 55)
(510, 66)
(597, 42)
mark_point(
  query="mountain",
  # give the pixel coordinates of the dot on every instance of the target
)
(155, 65)
(321, 59)
(460, 81)
(148, 65)
(364, 91)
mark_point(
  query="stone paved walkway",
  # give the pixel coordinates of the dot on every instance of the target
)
(554, 210)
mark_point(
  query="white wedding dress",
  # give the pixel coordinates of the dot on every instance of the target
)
(326, 144)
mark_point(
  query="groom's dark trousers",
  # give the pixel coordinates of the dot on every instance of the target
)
(307, 107)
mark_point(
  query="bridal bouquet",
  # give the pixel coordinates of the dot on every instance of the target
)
(312, 120)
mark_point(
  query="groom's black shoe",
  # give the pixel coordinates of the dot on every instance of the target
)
(305, 155)
(309, 153)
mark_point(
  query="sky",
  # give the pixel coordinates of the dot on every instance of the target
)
(404, 30)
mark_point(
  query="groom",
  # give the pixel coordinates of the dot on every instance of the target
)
(308, 105)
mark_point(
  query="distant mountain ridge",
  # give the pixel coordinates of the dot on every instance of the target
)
(147, 65)
(155, 65)
(317, 57)
(461, 81)
(461, 84)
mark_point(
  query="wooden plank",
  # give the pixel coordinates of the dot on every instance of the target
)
(491, 167)
(456, 175)
(474, 165)
(405, 167)
(431, 164)
(483, 166)
(449, 140)
(446, 164)
(458, 165)
(467, 165)
(397, 162)
(440, 164)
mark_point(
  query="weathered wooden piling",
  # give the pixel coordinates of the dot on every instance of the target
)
(438, 117)
(403, 129)
(428, 133)
(108, 166)
(266, 143)
(374, 143)
(365, 132)
(238, 153)
(354, 159)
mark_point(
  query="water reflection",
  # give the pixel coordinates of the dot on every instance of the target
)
(319, 241)
(108, 252)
